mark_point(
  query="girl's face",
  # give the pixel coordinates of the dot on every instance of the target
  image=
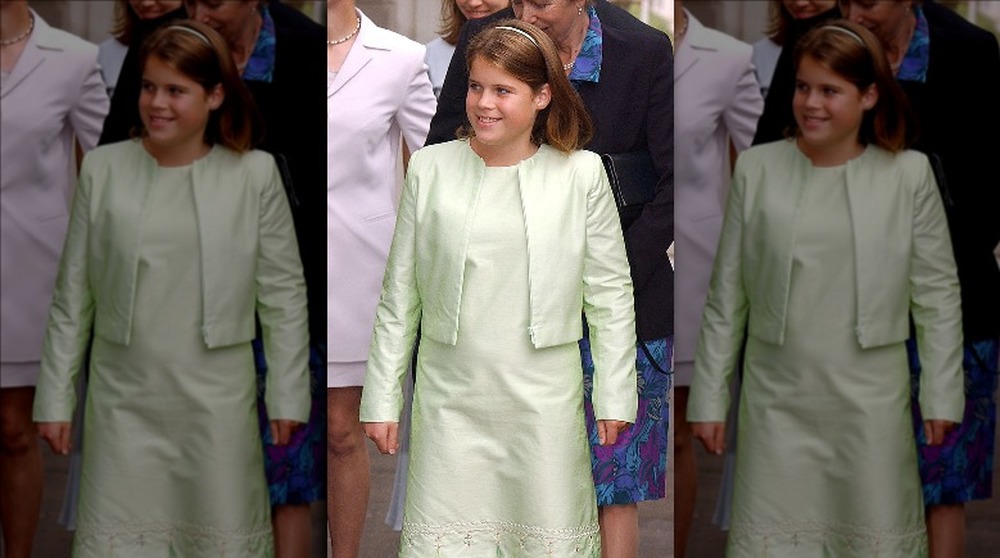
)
(475, 9)
(150, 9)
(828, 110)
(175, 110)
(802, 9)
(502, 110)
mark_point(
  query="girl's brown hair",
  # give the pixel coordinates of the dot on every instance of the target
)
(852, 52)
(197, 51)
(564, 123)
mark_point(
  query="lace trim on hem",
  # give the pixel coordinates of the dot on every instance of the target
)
(110, 539)
(526, 540)
(860, 540)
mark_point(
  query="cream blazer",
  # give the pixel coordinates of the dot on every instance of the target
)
(53, 94)
(902, 254)
(249, 257)
(576, 264)
(380, 95)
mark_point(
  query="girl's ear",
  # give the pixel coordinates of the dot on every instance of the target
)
(216, 96)
(543, 97)
(870, 97)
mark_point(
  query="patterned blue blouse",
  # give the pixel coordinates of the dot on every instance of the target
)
(260, 66)
(918, 55)
(588, 62)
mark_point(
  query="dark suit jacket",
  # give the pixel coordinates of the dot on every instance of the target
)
(958, 123)
(632, 110)
(293, 106)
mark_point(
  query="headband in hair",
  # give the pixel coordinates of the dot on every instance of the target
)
(844, 30)
(520, 32)
(194, 32)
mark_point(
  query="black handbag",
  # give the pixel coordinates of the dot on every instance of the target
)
(633, 183)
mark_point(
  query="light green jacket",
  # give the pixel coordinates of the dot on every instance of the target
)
(576, 264)
(249, 259)
(903, 260)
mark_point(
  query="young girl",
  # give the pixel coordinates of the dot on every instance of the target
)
(175, 240)
(503, 239)
(831, 239)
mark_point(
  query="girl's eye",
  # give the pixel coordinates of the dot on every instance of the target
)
(502, 91)
(474, 87)
(801, 87)
(829, 91)
(146, 86)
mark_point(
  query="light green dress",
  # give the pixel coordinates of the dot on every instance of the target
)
(826, 461)
(173, 464)
(499, 461)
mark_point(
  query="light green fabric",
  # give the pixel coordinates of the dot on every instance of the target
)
(499, 460)
(576, 263)
(826, 460)
(249, 258)
(172, 460)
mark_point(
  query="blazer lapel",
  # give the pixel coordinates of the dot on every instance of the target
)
(30, 59)
(359, 56)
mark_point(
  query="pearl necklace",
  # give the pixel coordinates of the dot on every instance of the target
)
(22, 36)
(347, 38)
(568, 67)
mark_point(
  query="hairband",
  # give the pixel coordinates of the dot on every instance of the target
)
(194, 32)
(846, 31)
(520, 32)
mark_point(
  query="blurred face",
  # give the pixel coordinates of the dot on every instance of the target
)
(885, 18)
(150, 9)
(558, 18)
(501, 109)
(828, 110)
(475, 9)
(230, 18)
(802, 9)
(174, 109)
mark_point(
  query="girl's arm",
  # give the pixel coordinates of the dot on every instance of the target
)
(281, 306)
(723, 322)
(936, 306)
(608, 303)
(71, 318)
(396, 322)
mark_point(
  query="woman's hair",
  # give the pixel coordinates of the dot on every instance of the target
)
(852, 52)
(778, 22)
(124, 24)
(527, 53)
(197, 51)
(452, 20)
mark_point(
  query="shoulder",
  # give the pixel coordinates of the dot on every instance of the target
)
(620, 23)
(290, 23)
(449, 152)
(114, 153)
(767, 154)
(708, 38)
(375, 37)
(952, 31)
(50, 38)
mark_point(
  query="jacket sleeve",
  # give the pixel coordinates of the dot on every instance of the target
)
(745, 106)
(281, 306)
(935, 305)
(417, 107)
(71, 315)
(609, 306)
(396, 317)
(90, 109)
(724, 320)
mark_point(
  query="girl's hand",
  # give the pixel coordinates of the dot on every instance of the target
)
(608, 430)
(282, 430)
(57, 434)
(711, 434)
(936, 430)
(385, 435)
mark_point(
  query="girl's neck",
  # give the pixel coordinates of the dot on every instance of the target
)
(830, 156)
(503, 155)
(176, 156)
